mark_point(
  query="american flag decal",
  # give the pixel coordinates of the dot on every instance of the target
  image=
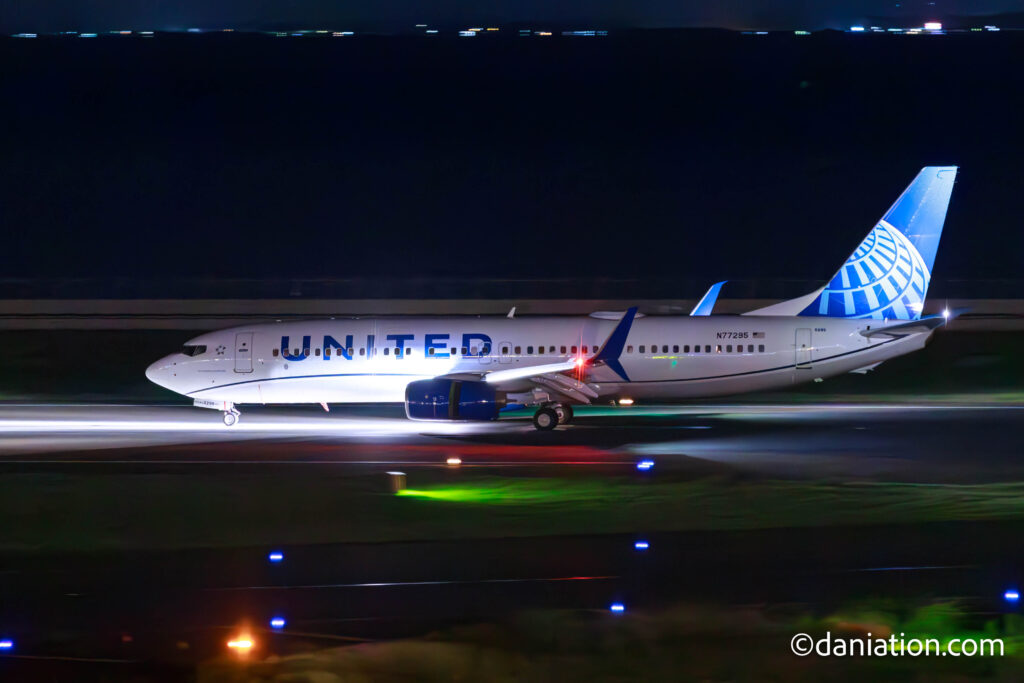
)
(759, 335)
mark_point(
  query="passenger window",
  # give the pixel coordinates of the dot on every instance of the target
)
(327, 352)
(642, 348)
(551, 349)
(574, 349)
(430, 351)
(519, 350)
(585, 350)
(464, 351)
(686, 348)
(563, 350)
(750, 348)
(317, 352)
(760, 348)
(728, 348)
(739, 348)
(472, 350)
(275, 352)
(296, 352)
(387, 350)
(718, 348)
(529, 350)
(305, 352)
(629, 349)
(675, 348)
(707, 348)
(504, 350)
(696, 349)
(362, 350)
(540, 350)
(486, 350)
(408, 352)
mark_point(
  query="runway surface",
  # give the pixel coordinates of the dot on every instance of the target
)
(179, 607)
(918, 442)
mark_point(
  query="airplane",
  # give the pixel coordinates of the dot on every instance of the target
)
(476, 368)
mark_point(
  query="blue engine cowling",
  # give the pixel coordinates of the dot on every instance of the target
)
(452, 399)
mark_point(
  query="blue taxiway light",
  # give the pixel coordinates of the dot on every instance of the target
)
(641, 545)
(277, 622)
(618, 607)
(6, 644)
(275, 556)
(1011, 596)
(645, 464)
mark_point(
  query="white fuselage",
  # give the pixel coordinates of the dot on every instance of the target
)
(355, 360)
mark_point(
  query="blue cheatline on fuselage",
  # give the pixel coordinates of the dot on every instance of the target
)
(887, 276)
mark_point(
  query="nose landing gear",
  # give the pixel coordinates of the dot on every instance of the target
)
(231, 416)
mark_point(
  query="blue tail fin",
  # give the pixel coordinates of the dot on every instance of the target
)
(888, 275)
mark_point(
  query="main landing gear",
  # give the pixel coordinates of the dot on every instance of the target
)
(550, 415)
(231, 416)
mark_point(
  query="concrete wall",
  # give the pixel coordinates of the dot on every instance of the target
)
(205, 314)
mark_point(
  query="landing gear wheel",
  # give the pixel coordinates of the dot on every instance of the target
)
(230, 418)
(545, 419)
(564, 412)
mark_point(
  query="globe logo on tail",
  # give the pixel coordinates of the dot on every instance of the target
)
(886, 277)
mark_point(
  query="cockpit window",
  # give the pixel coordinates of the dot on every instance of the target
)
(194, 349)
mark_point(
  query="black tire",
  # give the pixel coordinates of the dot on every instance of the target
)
(230, 419)
(564, 412)
(545, 419)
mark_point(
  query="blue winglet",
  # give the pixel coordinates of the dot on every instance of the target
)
(612, 348)
(706, 304)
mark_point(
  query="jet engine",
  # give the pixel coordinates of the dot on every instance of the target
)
(452, 399)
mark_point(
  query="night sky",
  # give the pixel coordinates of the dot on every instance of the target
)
(706, 155)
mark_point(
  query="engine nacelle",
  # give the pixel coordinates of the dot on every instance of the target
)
(452, 399)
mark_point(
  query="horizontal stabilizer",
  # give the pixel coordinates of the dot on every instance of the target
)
(903, 329)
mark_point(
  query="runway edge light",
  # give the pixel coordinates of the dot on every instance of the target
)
(6, 644)
(275, 556)
(618, 607)
(1011, 595)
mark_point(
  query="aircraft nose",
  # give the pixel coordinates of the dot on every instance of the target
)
(160, 372)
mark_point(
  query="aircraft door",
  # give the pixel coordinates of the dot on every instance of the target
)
(243, 352)
(803, 348)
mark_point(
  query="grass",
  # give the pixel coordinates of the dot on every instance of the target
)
(684, 642)
(86, 512)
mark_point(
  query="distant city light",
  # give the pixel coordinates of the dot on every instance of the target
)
(645, 465)
(87, 35)
(856, 29)
(802, 33)
(277, 622)
(933, 26)
(26, 35)
(431, 30)
(543, 33)
(195, 30)
(492, 29)
(6, 644)
(641, 545)
(454, 460)
(275, 556)
(618, 607)
(421, 25)
(991, 28)
(1011, 596)
(467, 34)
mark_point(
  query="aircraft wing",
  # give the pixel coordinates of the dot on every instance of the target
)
(569, 377)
